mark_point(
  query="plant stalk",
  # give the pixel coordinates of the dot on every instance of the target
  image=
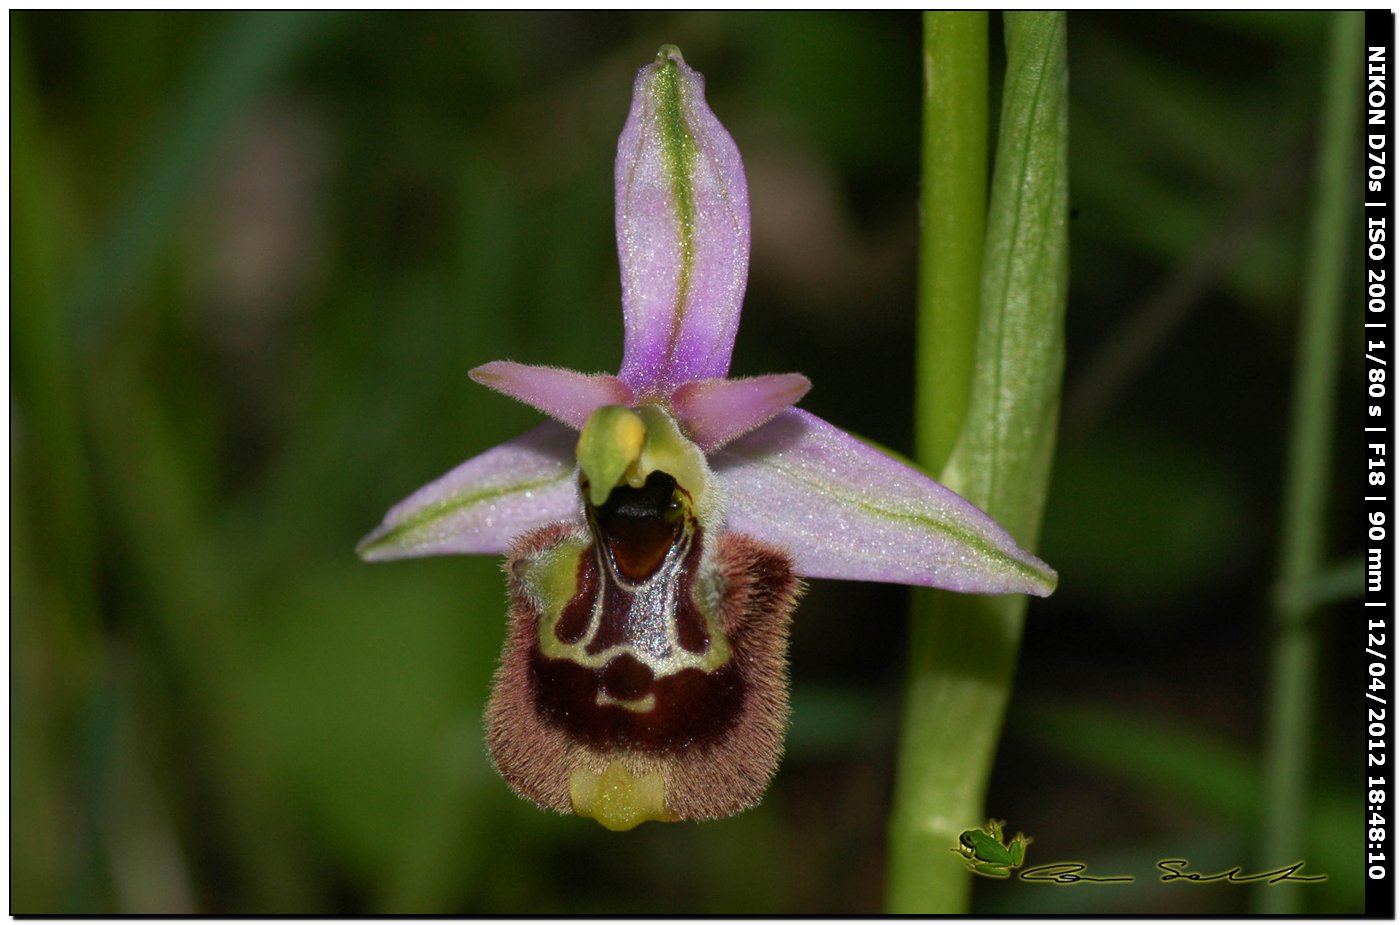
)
(1293, 681)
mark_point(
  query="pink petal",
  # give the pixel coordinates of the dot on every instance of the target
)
(716, 411)
(843, 509)
(567, 396)
(486, 502)
(682, 231)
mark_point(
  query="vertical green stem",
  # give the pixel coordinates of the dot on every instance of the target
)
(963, 648)
(953, 219)
(952, 212)
(1293, 680)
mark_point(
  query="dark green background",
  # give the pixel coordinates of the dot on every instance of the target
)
(253, 257)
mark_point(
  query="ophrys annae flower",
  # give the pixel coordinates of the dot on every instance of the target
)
(656, 529)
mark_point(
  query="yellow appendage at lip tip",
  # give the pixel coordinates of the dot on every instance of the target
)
(618, 799)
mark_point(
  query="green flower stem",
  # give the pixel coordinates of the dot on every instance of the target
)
(963, 648)
(952, 212)
(953, 219)
(1293, 683)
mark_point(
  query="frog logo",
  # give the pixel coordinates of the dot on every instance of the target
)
(987, 854)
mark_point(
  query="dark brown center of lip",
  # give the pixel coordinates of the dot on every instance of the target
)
(640, 525)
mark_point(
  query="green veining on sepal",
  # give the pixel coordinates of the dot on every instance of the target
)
(404, 535)
(1044, 580)
(679, 151)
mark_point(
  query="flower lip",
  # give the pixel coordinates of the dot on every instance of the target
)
(698, 738)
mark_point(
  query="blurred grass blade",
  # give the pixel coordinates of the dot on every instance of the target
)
(1293, 682)
(963, 648)
(243, 60)
(1330, 584)
(45, 418)
(1196, 772)
(1180, 765)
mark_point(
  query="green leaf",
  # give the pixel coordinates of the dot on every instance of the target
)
(1002, 459)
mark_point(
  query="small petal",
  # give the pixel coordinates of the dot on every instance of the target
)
(682, 231)
(486, 502)
(567, 396)
(716, 411)
(843, 509)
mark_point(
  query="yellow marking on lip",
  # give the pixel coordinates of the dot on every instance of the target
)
(551, 580)
(640, 705)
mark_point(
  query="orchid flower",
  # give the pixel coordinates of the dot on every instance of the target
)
(657, 527)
